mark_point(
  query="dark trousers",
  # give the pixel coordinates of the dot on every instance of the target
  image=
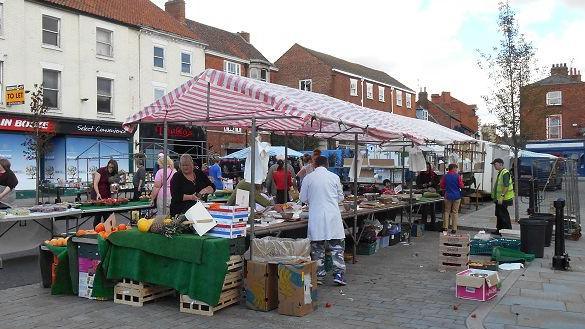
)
(425, 211)
(137, 194)
(280, 196)
(503, 216)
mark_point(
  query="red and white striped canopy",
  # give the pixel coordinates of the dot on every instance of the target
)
(235, 100)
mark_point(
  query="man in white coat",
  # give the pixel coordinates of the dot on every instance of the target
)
(322, 191)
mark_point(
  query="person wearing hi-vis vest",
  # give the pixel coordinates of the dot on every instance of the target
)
(503, 195)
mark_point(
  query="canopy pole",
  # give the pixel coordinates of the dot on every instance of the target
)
(286, 168)
(355, 195)
(411, 203)
(208, 99)
(252, 198)
(166, 154)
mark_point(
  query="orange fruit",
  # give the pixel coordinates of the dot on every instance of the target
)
(81, 233)
(114, 229)
(100, 227)
(53, 242)
(61, 242)
(47, 242)
(103, 234)
(122, 227)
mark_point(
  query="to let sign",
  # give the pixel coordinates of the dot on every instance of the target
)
(15, 95)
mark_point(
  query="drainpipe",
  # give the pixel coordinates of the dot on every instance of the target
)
(392, 100)
(362, 92)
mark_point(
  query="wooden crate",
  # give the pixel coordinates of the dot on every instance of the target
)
(231, 291)
(135, 293)
(455, 240)
(453, 252)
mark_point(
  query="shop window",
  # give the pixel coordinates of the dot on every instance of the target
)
(554, 98)
(104, 95)
(369, 90)
(159, 57)
(231, 67)
(399, 97)
(186, 62)
(104, 42)
(554, 128)
(353, 88)
(306, 85)
(381, 93)
(408, 101)
(51, 89)
(51, 31)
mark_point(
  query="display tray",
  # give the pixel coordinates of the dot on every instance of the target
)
(120, 205)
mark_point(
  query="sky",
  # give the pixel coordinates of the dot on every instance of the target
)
(421, 43)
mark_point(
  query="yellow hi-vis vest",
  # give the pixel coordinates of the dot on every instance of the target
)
(499, 186)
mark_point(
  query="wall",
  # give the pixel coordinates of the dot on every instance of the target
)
(442, 118)
(297, 64)
(403, 110)
(533, 110)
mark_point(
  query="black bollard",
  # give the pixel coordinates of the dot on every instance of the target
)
(532, 197)
(561, 258)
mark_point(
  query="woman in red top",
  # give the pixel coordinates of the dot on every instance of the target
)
(102, 180)
(280, 177)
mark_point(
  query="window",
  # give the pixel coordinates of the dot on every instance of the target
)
(554, 98)
(159, 93)
(51, 87)
(554, 129)
(370, 90)
(1, 20)
(231, 67)
(353, 90)
(104, 44)
(408, 101)
(254, 73)
(104, 95)
(399, 97)
(159, 57)
(306, 85)
(51, 31)
(381, 93)
(264, 75)
(186, 63)
(422, 114)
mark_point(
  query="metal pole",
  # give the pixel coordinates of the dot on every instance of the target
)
(355, 195)
(165, 153)
(286, 168)
(252, 198)
(561, 258)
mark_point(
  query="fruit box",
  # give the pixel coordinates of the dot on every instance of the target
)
(297, 288)
(476, 284)
(261, 285)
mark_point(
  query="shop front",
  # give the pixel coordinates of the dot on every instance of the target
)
(181, 140)
(77, 148)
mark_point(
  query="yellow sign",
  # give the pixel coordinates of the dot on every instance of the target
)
(15, 95)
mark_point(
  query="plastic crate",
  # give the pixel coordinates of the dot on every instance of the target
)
(367, 248)
(480, 247)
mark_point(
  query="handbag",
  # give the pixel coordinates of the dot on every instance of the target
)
(293, 193)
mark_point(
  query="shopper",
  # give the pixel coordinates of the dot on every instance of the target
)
(139, 179)
(215, 174)
(103, 179)
(309, 164)
(427, 179)
(282, 181)
(188, 186)
(157, 192)
(322, 191)
(503, 195)
(8, 183)
(451, 183)
(270, 185)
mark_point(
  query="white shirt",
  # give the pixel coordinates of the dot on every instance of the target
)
(322, 191)
(261, 166)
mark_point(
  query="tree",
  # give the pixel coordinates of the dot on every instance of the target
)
(509, 65)
(38, 142)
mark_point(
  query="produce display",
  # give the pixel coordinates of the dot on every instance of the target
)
(57, 242)
(46, 208)
(162, 225)
(18, 212)
(106, 202)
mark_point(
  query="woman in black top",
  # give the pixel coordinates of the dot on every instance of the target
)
(8, 182)
(187, 186)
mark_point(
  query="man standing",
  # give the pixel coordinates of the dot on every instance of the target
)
(322, 191)
(215, 174)
(451, 183)
(424, 180)
(503, 195)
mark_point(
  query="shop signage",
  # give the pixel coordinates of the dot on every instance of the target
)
(18, 124)
(175, 131)
(91, 129)
(15, 95)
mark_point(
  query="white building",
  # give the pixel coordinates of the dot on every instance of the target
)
(98, 64)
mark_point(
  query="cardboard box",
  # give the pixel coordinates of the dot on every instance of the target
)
(297, 289)
(476, 284)
(261, 284)
(229, 214)
(229, 231)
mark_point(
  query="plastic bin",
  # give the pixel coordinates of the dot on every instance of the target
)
(532, 236)
(550, 218)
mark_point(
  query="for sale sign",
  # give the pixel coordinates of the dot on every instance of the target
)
(15, 95)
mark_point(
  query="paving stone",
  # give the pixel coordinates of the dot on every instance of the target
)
(533, 303)
(564, 297)
(501, 314)
(575, 307)
(546, 319)
(493, 325)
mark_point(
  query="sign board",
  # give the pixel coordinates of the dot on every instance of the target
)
(15, 95)
(22, 124)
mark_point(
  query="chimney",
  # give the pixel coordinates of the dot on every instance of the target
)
(575, 75)
(423, 99)
(245, 36)
(559, 69)
(176, 8)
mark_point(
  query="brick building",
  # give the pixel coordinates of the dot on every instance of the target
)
(230, 52)
(553, 108)
(448, 111)
(306, 69)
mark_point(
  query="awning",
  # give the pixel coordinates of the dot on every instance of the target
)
(234, 100)
(273, 151)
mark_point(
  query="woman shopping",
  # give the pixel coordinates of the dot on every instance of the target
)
(8, 182)
(103, 179)
(282, 179)
(157, 192)
(188, 186)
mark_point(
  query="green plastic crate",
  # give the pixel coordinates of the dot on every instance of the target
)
(367, 248)
(502, 254)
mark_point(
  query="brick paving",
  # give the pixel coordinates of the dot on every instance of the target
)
(399, 287)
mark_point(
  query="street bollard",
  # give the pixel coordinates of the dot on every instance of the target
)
(532, 197)
(561, 258)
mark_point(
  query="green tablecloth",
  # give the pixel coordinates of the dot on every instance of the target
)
(129, 204)
(193, 265)
(62, 284)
